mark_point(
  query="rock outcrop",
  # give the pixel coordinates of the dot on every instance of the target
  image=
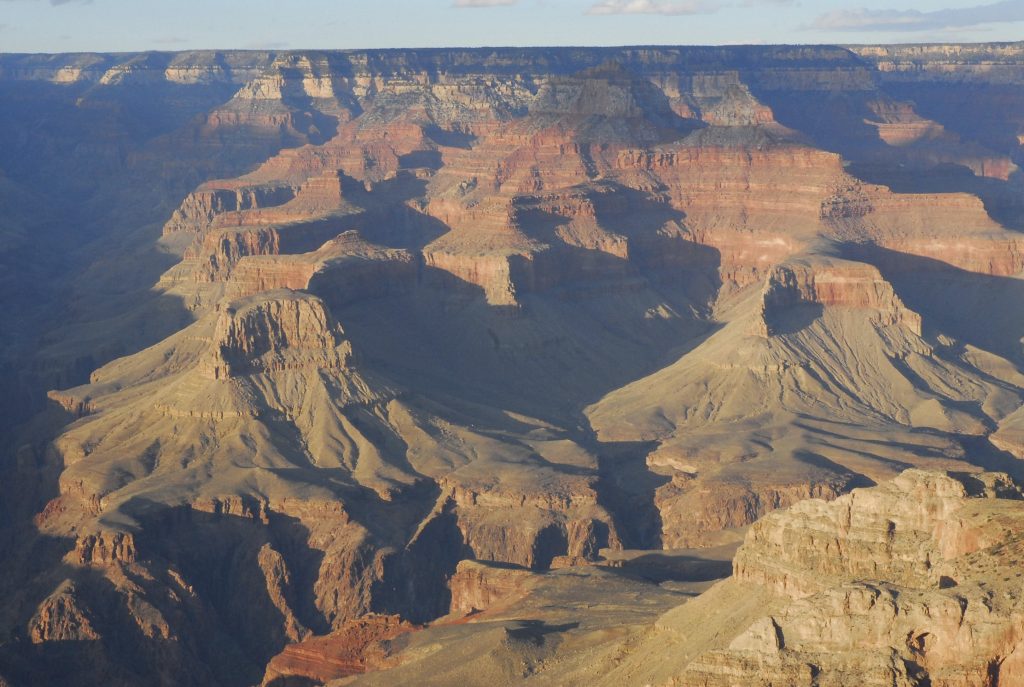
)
(912, 582)
(478, 586)
(272, 335)
(834, 284)
(355, 648)
(60, 618)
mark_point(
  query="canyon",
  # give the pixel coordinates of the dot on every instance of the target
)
(909, 583)
(558, 365)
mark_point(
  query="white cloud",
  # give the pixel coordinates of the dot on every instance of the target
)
(674, 7)
(916, 20)
(483, 3)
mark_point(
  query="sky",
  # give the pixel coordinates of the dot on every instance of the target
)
(136, 25)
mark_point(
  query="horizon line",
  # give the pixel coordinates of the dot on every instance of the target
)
(650, 46)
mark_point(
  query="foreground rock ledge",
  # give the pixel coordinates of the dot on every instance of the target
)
(913, 582)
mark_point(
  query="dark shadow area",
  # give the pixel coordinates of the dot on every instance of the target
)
(541, 354)
(421, 159)
(344, 282)
(386, 218)
(850, 480)
(400, 226)
(790, 319)
(294, 681)
(836, 120)
(381, 436)
(536, 630)
(865, 445)
(986, 112)
(30, 469)
(225, 557)
(415, 580)
(340, 65)
(843, 122)
(450, 138)
(667, 567)
(56, 119)
(191, 605)
(307, 236)
(976, 487)
(1003, 200)
(626, 489)
(551, 541)
(101, 167)
(984, 454)
(972, 408)
(316, 125)
(122, 657)
(917, 673)
(655, 250)
(982, 310)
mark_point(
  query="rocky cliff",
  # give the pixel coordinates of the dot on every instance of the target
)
(910, 583)
(338, 342)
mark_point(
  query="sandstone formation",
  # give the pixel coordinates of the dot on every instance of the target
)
(351, 650)
(309, 347)
(913, 582)
(478, 587)
(910, 583)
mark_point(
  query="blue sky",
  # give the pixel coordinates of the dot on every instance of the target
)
(131, 25)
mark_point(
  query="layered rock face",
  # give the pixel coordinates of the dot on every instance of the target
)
(477, 587)
(439, 322)
(353, 649)
(864, 525)
(275, 335)
(839, 285)
(913, 582)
